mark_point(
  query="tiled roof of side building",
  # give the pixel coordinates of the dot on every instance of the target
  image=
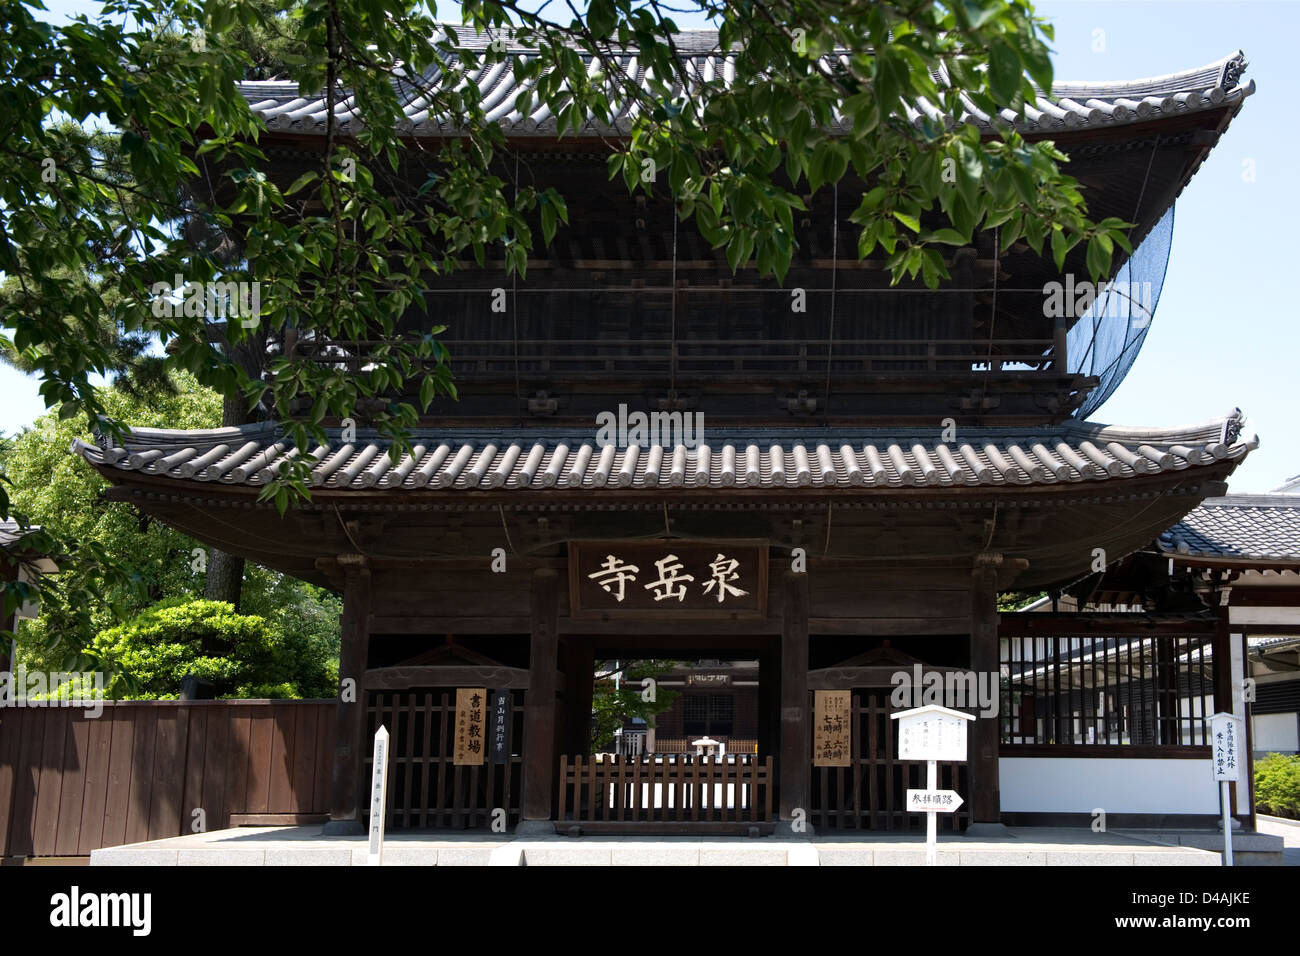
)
(540, 459)
(1260, 528)
(1071, 106)
(1289, 487)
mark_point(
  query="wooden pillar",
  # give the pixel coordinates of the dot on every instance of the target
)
(1166, 690)
(539, 755)
(350, 717)
(579, 680)
(985, 799)
(769, 697)
(795, 768)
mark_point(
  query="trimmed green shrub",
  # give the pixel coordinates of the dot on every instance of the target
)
(243, 655)
(1277, 785)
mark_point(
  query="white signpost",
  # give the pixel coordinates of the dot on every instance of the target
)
(932, 733)
(378, 795)
(1225, 737)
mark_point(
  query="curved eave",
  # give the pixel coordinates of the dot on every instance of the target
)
(1082, 457)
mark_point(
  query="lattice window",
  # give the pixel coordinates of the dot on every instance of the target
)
(1141, 690)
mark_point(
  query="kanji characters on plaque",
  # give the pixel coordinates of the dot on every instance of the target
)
(832, 728)
(722, 578)
(500, 726)
(471, 738)
(614, 575)
(1224, 731)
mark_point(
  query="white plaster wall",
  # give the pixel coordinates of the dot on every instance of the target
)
(1276, 732)
(1262, 615)
(1117, 785)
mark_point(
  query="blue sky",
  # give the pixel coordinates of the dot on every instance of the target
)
(1225, 333)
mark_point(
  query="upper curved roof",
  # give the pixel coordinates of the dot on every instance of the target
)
(1072, 106)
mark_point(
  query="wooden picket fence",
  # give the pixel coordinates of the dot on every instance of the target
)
(666, 791)
(71, 783)
(682, 745)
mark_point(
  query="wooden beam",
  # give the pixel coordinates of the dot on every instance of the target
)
(888, 626)
(350, 719)
(847, 678)
(704, 629)
(1069, 624)
(400, 678)
(432, 624)
(795, 768)
(539, 708)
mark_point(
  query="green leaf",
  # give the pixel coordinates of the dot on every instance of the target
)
(1060, 246)
(1005, 71)
(978, 12)
(548, 222)
(1010, 233)
(911, 222)
(1098, 259)
(950, 236)
(1037, 60)
(301, 181)
(602, 17)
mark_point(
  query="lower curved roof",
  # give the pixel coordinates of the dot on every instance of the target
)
(535, 460)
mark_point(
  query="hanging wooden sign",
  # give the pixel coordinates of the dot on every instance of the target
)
(832, 728)
(500, 730)
(668, 579)
(471, 726)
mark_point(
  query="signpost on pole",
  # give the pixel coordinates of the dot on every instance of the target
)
(932, 733)
(1225, 736)
(378, 798)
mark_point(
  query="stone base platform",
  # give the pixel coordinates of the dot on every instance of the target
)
(307, 846)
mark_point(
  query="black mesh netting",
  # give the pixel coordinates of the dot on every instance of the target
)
(1107, 338)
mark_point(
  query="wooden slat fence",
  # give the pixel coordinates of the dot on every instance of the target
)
(425, 787)
(869, 794)
(615, 791)
(71, 783)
